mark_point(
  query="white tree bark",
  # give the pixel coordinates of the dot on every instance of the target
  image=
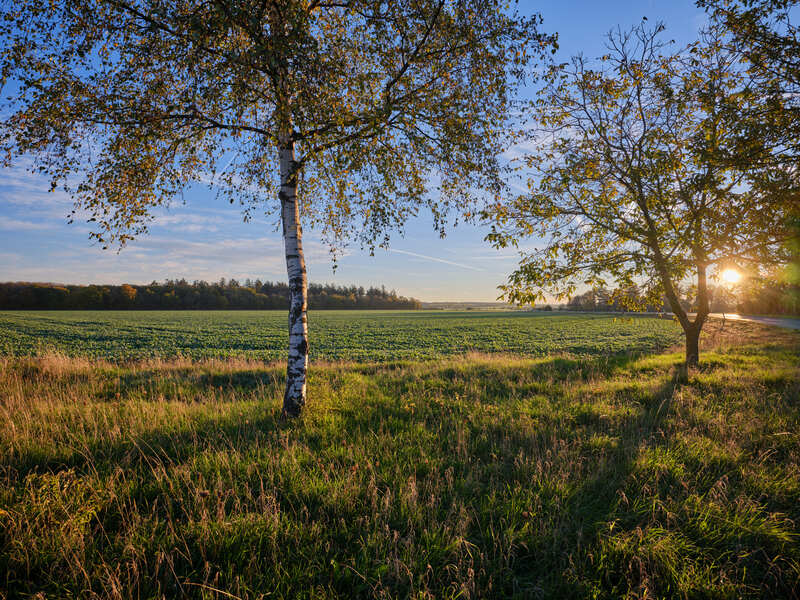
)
(295, 396)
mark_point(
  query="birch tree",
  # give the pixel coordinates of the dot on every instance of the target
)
(344, 112)
(632, 181)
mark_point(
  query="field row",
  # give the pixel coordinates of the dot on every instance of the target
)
(335, 335)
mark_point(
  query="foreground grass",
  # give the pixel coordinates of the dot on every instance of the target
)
(474, 477)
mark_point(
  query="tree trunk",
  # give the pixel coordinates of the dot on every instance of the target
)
(691, 330)
(692, 346)
(693, 333)
(295, 395)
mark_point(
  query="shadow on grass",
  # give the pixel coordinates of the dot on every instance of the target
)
(486, 382)
(472, 478)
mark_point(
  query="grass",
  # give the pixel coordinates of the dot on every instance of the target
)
(364, 336)
(476, 476)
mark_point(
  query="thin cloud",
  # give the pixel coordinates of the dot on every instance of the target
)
(163, 257)
(434, 259)
(514, 256)
(18, 225)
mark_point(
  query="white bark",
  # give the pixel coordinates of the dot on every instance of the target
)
(295, 396)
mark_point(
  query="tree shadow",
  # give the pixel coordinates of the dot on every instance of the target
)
(596, 501)
(497, 381)
(479, 447)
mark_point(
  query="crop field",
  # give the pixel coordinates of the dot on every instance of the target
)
(142, 456)
(335, 335)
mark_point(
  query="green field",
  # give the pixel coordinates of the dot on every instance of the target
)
(593, 472)
(335, 335)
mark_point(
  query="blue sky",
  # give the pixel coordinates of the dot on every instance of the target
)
(205, 238)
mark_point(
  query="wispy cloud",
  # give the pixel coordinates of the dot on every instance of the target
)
(504, 256)
(8, 224)
(21, 186)
(162, 257)
(435, 259)
(192, 223)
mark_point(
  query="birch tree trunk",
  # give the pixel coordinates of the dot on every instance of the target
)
(295, 395)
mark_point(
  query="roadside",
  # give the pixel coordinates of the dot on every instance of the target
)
(786, 322)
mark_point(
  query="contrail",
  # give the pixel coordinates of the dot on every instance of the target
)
(433, 258)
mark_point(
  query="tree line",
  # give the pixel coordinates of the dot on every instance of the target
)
(755, 296)
(758, 297)
(197, 295)
(601, 299)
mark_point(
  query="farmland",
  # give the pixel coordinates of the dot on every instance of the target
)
(335, 335)
(600, 470)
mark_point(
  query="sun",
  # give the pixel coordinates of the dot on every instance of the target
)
(731, 276)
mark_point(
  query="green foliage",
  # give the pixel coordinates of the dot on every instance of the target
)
(634, 179)
(767, 38)
(350, 335)
(125, 103)
(477, 477)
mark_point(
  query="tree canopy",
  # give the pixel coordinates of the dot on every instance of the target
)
(350, 115)
(765, 34)
(127, 102)
(633, 178)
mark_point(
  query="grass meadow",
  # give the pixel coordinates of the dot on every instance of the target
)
(573, 470)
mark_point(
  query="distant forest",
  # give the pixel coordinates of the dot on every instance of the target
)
(197, 295)
(755, 296)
